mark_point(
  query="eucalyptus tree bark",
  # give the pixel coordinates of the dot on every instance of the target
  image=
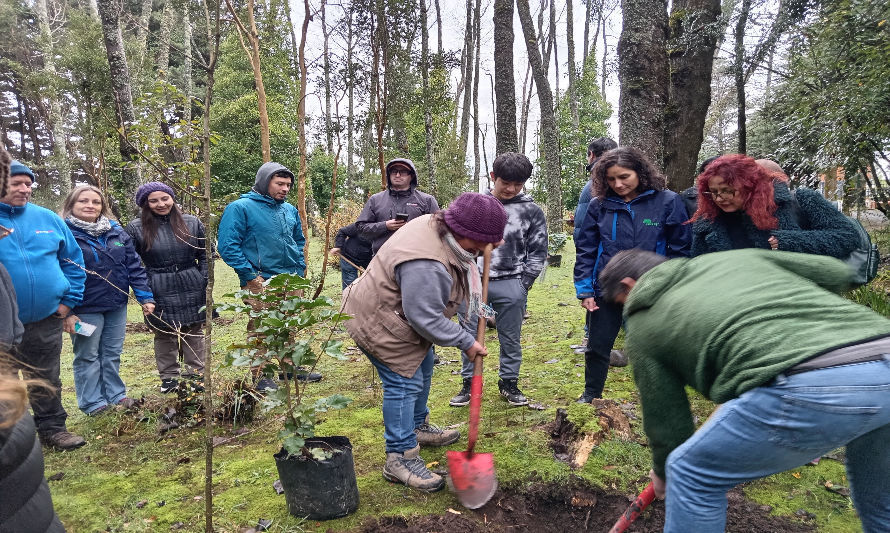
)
(477, 24)
(549, 144)
(695, 27)
(739, 71)
(427, 113)
(469, 46)
(253, 55)
(644, 72)
(504, 81)
(120, 85)
(326, 63)
(163, 60)
(60, 154)
(142, 33)
(301, 120)
(573, 74)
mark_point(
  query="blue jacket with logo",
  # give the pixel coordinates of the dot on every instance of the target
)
(43, 260)
(260, 236)
(113, 257)
(653, 221)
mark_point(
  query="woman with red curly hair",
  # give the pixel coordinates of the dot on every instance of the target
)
(742, 205)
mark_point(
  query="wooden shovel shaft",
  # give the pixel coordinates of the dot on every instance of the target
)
(476, 388)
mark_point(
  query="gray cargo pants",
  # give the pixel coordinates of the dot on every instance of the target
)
(508, 298)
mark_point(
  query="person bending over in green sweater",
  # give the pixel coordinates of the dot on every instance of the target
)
(799, 369)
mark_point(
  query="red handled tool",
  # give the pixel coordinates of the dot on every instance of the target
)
(634, 509)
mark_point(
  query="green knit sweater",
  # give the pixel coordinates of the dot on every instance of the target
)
(726, 322)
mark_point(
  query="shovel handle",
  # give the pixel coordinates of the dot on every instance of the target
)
(634, 509)
(476, 385)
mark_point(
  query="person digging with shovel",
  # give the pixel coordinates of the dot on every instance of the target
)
(800, 371)
(402, 306)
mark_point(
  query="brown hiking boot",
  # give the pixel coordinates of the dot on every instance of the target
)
(63, 440)
(409, 469)
(430, 435)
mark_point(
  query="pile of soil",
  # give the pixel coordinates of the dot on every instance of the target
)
(574, 507)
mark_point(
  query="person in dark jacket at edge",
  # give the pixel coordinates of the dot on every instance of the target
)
(387, 211)
(351, 248)
(515, 265)
(112, 266)
(631, 209)
(260, 235)
(171, 245)
(46, 267)
(799, 370)
(403, 304)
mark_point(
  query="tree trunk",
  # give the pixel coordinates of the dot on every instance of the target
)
(693, 41)
(588, 10)
(477, 37)
(94, 9)
(573, 74)
(120, 84)
(739, 71)
(253, 54)
(142, 34)
(602, 22)
(328, 125)
(301, 120)
(60, 154)
(379, 46)
(187, 81)
(163, 60)
(440, 51)
(551, 39)
(504, 81)
(527, 86)
(469, 46)
(427, 113)
(644, 74)
(549, 145)
(350, 91)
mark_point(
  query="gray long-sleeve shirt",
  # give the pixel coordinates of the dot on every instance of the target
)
(426, 286)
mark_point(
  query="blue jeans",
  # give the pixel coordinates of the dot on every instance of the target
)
(404, 402)
(97, 360)
(783, 425)
(348, 273)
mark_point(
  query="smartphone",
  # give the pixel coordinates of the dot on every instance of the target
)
(402, 216)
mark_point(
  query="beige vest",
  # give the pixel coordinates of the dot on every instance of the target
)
(374, 300)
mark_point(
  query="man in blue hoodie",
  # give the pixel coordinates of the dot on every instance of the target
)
(260, 235)
(46, 267)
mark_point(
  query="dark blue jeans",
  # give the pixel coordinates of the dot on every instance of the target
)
(404, 402)
(348, 273)
(603, 326)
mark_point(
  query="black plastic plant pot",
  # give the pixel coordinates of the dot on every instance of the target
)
(554, 260)
(319, 490)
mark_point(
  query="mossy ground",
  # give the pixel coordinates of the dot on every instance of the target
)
(131, 478)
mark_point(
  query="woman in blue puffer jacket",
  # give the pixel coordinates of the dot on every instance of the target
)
(113, 266)
(630, 209)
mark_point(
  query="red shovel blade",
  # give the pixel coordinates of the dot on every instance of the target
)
(472, 477)
(634, 509)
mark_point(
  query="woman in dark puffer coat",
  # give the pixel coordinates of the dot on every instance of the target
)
(25, 502)
(171, 245)
(741, 205)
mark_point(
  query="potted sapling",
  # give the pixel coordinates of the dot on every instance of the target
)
(289, 334)
(555, 243)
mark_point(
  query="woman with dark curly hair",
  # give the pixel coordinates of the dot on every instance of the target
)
(630, 209)
(743, 205)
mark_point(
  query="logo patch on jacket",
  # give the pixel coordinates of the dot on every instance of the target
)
(650, 222)
(39, 231)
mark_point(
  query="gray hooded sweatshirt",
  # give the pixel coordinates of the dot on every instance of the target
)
(384, 205)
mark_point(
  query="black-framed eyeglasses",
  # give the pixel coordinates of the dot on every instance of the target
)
(727, 194)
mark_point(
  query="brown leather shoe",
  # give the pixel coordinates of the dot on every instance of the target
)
(63, 440)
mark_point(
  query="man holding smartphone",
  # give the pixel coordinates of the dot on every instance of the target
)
(387, 211)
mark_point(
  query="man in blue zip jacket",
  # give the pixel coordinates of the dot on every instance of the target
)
(46, 267)
(260, 236)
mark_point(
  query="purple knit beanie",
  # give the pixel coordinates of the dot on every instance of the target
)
(153, 186)
(480, 217)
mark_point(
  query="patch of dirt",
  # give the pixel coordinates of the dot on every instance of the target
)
(574, 507)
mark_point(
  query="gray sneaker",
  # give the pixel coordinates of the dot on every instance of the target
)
(462, 398)
(430, 435)
(409, 469)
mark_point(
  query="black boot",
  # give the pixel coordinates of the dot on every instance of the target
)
(463, 397)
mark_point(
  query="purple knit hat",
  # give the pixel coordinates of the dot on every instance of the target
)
(480, 217)
(153, 186)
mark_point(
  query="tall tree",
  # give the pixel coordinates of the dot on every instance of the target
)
(109, 14)
(549, 144)
(504, 82)
(163, 60)
(326, 66)
(573, 74)
(474, 183)
(425, 87)
(142, 33)
(60, 155)
(301, 118)
(469, 49)
(739, 70)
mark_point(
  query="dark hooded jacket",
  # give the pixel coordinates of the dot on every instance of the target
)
(259, 235)
(525, 242)
(352, 246)
(25, 501)
(384, 205)
(816, 227)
